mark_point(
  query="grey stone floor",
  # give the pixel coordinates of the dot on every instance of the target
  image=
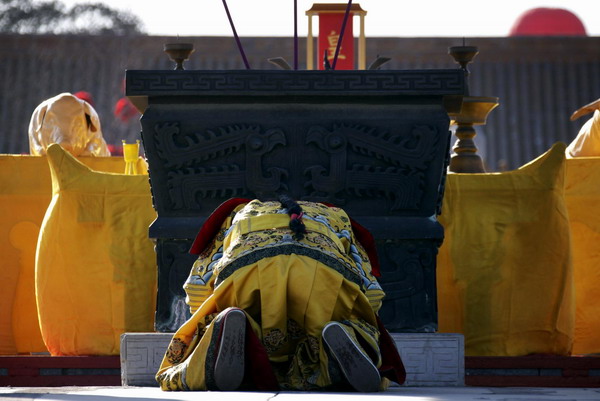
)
(406, 394)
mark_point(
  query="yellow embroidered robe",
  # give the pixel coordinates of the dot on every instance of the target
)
(289, 288)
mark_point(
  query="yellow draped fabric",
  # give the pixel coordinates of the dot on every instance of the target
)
(25, 192)
(587, 141)
(95, 272)
(505, 275)
(288, 287)
(582, 196)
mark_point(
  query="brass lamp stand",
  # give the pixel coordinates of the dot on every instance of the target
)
(474, 111)
(179, 52)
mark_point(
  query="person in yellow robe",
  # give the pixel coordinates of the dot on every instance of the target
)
(283, 297)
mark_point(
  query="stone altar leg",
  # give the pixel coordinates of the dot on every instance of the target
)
(175, 264)
(408, 279)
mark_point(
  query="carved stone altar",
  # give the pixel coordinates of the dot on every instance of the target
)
(373, 142)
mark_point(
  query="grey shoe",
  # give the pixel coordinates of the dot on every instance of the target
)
(229, 366)
(356, 366)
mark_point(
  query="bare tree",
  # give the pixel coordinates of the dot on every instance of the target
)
(29, 16)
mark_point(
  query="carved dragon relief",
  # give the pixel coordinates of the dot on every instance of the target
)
(327, 186)
(190, 179)
(402, 179)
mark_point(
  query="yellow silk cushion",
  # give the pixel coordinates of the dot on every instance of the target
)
(505, 276)
(582, 195)
(95, 272)
(25, 192)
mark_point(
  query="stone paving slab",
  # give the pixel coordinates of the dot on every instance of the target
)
(406, 394)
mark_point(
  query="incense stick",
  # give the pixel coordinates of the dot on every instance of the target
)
(295, 34)
(339, 43)
(237, 38)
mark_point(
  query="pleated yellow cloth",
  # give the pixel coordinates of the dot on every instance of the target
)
(25, 192)
(95, 274)
(582, 196)
(289, 289)
(505, 274)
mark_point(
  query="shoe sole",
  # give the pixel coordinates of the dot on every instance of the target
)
(229, 366)
(356, 366)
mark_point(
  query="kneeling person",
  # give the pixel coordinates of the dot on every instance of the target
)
(283, 296)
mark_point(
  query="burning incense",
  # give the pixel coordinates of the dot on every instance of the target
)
(339, 43)
(295, 34)
(237, 38)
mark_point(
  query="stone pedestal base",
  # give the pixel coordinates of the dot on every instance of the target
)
(141, 355)
(430, 359)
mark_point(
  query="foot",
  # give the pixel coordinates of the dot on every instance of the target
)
(229, 367)
(356, 366)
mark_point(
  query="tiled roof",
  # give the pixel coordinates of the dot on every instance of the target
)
(540, 80)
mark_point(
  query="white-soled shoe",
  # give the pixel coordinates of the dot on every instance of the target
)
(355, 364)
(229, 366)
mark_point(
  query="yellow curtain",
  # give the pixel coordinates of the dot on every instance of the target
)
(25, 192)
(582, 195)
(505, 276)
(95, 274)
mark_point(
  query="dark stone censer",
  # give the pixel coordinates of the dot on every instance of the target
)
(374, 142)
